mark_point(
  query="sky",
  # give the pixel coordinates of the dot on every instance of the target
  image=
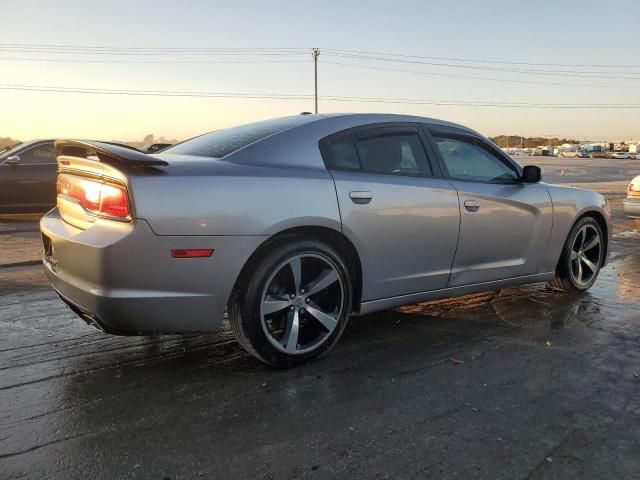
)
(407, 35)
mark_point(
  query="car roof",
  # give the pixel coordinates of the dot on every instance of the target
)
(298, 144)
(367, 118)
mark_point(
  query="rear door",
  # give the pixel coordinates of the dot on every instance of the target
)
(505, 224)
(402, 219)
(30, 185)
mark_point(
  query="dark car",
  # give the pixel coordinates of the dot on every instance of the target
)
(28, 174)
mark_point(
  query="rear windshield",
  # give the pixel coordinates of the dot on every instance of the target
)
(223, 142)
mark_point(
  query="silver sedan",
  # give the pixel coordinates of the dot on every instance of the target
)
(294, 224)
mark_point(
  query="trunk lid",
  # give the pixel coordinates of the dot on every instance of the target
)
(92, 181)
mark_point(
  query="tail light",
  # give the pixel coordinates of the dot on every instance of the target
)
(97, 197)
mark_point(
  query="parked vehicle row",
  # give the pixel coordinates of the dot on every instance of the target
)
(292, 225)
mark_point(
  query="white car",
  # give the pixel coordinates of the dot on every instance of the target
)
(631, 204)
(622, 155)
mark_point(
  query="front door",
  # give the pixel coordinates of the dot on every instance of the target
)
(403, 222)
(505, 224)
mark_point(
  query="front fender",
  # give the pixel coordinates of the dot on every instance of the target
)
(570, 204)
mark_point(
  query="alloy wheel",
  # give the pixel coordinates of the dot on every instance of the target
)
(302, 303)
(586, 255)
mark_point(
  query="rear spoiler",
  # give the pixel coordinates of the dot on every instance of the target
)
(108, 153)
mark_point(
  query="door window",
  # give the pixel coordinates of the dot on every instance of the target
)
(392, 150)
(44, 153)
(385, 150)
(343, 154)
(467, 160)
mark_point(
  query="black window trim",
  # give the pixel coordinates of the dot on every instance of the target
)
(432, 131)
(352, 132)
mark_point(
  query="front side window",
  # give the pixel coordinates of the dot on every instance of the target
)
(44, 153)
(466, 160)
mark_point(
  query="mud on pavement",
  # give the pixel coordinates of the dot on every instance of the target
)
(519, 383)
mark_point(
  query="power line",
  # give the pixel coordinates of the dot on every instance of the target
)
(451, 75)
(156, 54)
(561, 73)
(178, 49)
(357, 54)
(336, 98)
(89, 48)
(475, 60)
(159, 62)
(163, 93)
(354, 54)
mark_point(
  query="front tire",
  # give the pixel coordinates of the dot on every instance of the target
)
(582, 257)
(293, 303)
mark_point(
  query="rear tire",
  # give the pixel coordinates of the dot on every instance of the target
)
(293, 302)
(581, 259)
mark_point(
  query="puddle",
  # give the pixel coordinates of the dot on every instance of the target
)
(627, 234)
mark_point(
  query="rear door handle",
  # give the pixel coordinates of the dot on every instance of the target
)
(472, 205)
(361, 198)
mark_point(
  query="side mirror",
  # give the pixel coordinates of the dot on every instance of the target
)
(13, 160)
(531, 174)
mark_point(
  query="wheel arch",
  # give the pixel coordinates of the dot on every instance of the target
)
(602, 223)
(604, 227)
(333, 237)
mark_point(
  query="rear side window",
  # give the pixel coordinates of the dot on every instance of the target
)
(343, 154)
(223, 142)
(385, 150)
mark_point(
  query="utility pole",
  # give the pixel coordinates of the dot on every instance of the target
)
(315, 53)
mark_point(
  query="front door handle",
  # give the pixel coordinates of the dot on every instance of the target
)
(361, 198)
(472, 205)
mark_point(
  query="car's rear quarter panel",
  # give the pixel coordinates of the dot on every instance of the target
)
(231, 199)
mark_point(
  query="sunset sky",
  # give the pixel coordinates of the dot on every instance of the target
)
(566, 33)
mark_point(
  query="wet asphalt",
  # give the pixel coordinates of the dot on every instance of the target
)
(521, 383)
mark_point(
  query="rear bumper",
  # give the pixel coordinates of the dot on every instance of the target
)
(631, 207)
(122, 278)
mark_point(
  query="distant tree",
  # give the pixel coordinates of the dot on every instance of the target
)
(6, 141)
(514, 141)
(149, 138)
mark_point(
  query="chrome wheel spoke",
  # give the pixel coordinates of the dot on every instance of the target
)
(594, 242)
(296, 270)
(296, 321)
(274, 305)
(590, 265)
(577, 244)
(585, 268)
(326, 320)
(328, 278)
(289, 340)
(583, 237)
(580, 272)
